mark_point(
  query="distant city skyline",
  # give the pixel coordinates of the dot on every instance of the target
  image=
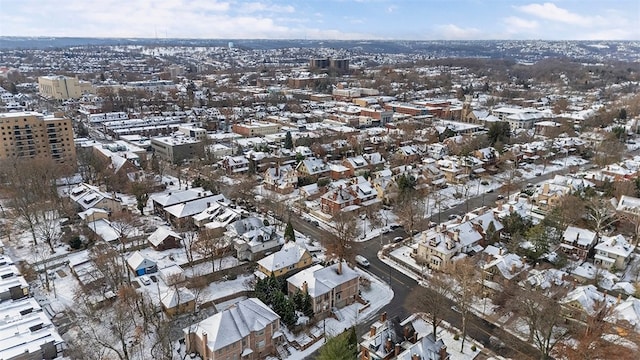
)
(325, 19)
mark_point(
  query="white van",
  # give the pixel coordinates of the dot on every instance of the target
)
(362, 261)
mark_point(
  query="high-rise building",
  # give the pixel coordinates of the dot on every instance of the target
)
(339, 65)
(33, 135)
(60, 87)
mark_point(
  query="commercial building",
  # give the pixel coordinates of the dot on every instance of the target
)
(256, 128)
(33, 135)
(60, 87)
(176, 149)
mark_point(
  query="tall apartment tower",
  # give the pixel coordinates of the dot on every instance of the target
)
(33, 135)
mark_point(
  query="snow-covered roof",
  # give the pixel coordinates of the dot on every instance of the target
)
(234, 324)
(320, 280)
(172, 297)
(161, 234)
(176, 197)
(615, 245)
(629, 310)
(588, 297)
(579, 236)
(138, 261)
(289, 255)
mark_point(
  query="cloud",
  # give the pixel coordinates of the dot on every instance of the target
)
(262, 7)
(550, 11)
(392, 8)
(515, 23)
(454, 32)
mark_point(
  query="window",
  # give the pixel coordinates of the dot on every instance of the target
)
(261, 344)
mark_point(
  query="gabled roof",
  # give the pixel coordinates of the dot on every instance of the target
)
(161, 234)
(579, 236)
(172, 298)
(176, 197)
(321, 280)
(137, 261)
(234, 324)
(290, 254)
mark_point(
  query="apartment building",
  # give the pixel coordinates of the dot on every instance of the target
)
(33, 135)
(256, 128)
(60, 87)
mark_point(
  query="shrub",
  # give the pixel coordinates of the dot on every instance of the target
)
(456, 337)
(75, 242)
(473, 347)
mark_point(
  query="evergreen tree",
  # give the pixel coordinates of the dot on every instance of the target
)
(288, 141)
(339, 348)
(289, 234)
(499, 132)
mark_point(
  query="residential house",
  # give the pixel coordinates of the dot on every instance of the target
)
(613, 252)
(181, 215)
(140, 265)
(248, 330)
(504, 268)
(627, 314)
(313, 168)
(235, 164)
(164, 238)
(336, 285)
(376, 161)
(551, 193)
(176, 301)
(577, 242)
(289, 259)
(488, 155)
(27, 333)
(407, 154)
(409, 339)
(585, 301)
(357, 165)
(439, 245)
(218, 215)
(13, 286)
(170, 198)
(88, 196)
(281, 179)
(356, 193)
(252, 239)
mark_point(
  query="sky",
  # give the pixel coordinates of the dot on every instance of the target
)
(325, 19)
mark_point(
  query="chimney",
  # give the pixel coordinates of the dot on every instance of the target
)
(415, 357)
(397, 351)
(305, 287)
(383, 317)
(388, 346)
(339, 268)
(513, 268)
(205, 344)
(619, 299)
(443, 352)
(208, 204)
(500, 253)
(372, 331)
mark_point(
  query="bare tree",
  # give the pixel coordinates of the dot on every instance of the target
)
(431, 298)
(125, 225)
(211, 244)
(345, 231)
(467, 278)
(542, 312)
(411, 211)
(597, 338)
(600, 215)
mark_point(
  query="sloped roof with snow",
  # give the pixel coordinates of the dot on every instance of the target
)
(172, 297)
(161, 234)
(234, 324)
(290, 254)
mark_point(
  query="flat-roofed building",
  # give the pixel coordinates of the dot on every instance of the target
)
(256, 128)
(60, 87)
(33, 135)
(176, 149)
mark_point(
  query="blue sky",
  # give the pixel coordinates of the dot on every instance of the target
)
(325, 19)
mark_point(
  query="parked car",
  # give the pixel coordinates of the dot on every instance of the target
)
(490, 191)
(500, 197)
(144, 279)
(397, 239)
(362, 261)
